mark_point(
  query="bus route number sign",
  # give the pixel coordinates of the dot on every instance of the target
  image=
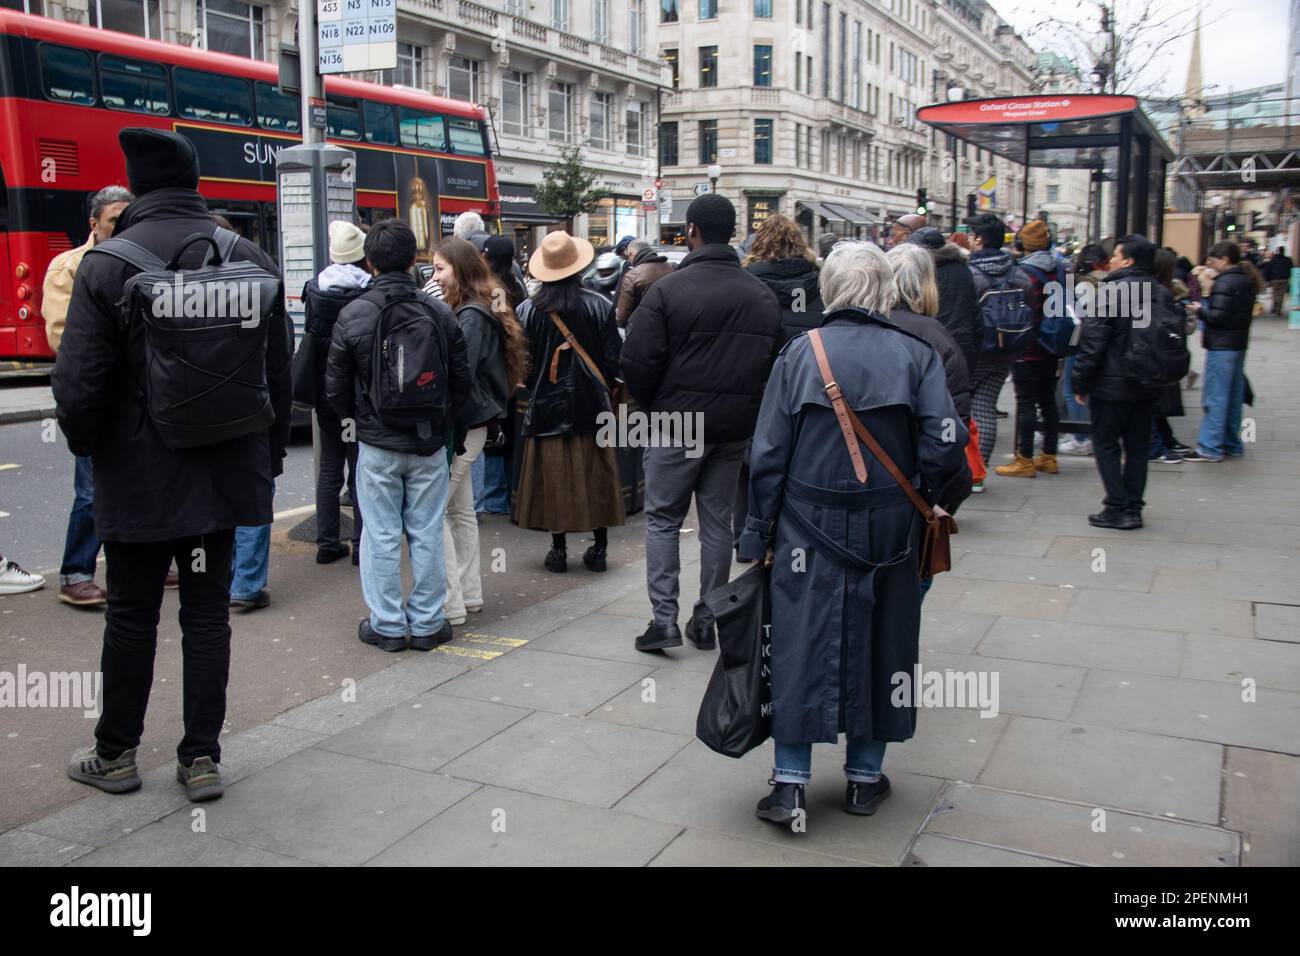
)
(356, 35)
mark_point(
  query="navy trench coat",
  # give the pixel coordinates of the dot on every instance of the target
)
(846, 600)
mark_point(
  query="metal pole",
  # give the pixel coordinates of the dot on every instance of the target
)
(311, 85)
(956, 172)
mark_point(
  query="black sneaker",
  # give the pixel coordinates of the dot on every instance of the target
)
(557, 560)
(657, 637)
(118, 775)
(1169, 457)
(863, 798)
(1135, 520)
(254, 603)
(329, 553)
(784, 806)
(1180, 448)
(703, 636)
(1194, 455)
(427, 642)
(202, 779)
(1117, 521)
(594, 558)
(367, 635)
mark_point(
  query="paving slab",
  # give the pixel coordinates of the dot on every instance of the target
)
(1021, 600)
(1084, 645)
(1278, 587)
(496, 827)
(950, 742)
(1004, 542)
(330, 808)
(425, 732)
(178, 841)
(701, 789)
(1166, 525)
(1276, 622)
(541, 680)
(703, 848)
(1108, 768)
(1023, 687)
(670, 704)
(570, 758)
(1240, 533)
(1193, 709)
(1259, 560)
(22, 848)
(1136, 552)
(954, 632)
(612, 637)
(1261, 798)
(932, 850)
(1183, 613)
(636, 603)
(1064, 831)
(1231, 659)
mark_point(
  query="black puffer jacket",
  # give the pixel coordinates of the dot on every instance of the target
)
(555, 408)
(322, 310)
(703, 340)
(145, 491)
(348, 374)
(1103, 341)
(954, 363)
(788, 279)
(1228, 312)
(958, 311)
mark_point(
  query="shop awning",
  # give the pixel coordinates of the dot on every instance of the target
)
(851, 214)
(519, 204)
(820, 209)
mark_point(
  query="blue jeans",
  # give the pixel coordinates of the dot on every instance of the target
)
(1073, 410)
(1222, 389)
(496, 485)
(250, 562)
(401, 493)
(861, 763)
(81, 546)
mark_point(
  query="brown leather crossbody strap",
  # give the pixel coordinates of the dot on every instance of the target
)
(577, 347)
(850, 424)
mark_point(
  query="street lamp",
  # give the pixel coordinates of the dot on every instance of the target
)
(955, 94)
(715, 173)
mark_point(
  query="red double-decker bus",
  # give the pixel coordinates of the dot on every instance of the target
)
(66, 90)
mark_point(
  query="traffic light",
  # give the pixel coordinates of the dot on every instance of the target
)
(1229, 222)
(921, 204)
(970, 205)
(1255, 224)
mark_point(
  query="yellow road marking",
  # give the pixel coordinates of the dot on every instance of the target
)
(9, 466)
(469, 652)
(492, 639)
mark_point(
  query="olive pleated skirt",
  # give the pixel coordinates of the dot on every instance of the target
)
(567, 483)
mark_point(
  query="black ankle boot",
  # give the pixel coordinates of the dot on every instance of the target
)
(557, 560)
(594, 558)
(863, 798)
(784, 805)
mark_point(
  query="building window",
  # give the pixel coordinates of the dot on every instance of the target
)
(600, 21)
(798, 21)
(857, 65)
(517, 8)
(763, 9)
(762, 65)
(798, 72)
(708, 66)
(708, 142)
(635, 18)
(1053, 193)
(598, 112)
(763, 141)
(670, 57)
(826, 50)
(137, 17)
(667, 144)
(844, 55)
(826, 151)
(708, 9)
(635, 125)
(559, 112)
(462, 79)
(410, 67)
(807, 74)
(514, 103)
(231, 27)
(560, 15)
(668, 11)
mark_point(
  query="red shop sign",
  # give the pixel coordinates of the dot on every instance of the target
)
(1027, 109)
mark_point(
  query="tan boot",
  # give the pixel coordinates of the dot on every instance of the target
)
(1046, 463)
(1022, 467)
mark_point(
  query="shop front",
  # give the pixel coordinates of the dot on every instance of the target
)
(760, 208)
(615, 217)
(522, 219)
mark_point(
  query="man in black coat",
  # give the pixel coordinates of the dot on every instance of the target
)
(699, 348)
(1120, 410)
(154, 504)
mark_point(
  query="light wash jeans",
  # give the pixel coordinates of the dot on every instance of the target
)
(862, 761)
(460, 532)
(1074, 412)
(1222, 391)
(402, 493)
(250, 560)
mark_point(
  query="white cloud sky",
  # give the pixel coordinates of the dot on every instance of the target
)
(1243, 43)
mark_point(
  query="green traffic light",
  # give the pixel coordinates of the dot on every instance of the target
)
(920, 210)
(1232, 227)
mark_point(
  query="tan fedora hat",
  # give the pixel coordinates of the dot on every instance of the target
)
(559, 256)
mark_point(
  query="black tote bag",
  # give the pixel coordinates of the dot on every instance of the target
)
(736, 712)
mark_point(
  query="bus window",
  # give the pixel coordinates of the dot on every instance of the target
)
(381, 122)
(213, 97)
(342, 118)
(67, 75)
(422, 129)
(276, 110)
(466, 136)
(133, 86)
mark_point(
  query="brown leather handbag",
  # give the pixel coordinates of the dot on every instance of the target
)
(936, 553)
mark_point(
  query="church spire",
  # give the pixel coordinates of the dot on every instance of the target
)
(1193, 93)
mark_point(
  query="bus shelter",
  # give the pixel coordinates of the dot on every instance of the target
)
(1109, 135)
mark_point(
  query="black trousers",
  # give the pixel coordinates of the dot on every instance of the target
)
(1126, 425)
(1035, 384)
(136, 573)
(334, 452)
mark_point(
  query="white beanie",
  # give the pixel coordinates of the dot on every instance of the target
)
(347, 242)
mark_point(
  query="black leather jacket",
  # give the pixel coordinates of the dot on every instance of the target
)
(555, 407)
(1228, 312)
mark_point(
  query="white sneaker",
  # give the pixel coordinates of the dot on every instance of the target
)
(1072, 446)
(977, 488)
(14, 580)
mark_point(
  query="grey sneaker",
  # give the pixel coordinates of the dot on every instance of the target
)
(113, 776)
(202, 779)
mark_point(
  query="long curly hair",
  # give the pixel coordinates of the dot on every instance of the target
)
(476, 283)
(779, 237)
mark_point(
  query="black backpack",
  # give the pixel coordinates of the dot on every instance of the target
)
(205, 334)
(408, 365)
(1007, 320)
(1156, 354)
